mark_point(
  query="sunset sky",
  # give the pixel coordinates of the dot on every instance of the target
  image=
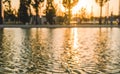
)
(88, 4)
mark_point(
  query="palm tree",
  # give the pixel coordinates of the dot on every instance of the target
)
(1, 19)
(8, 11)
(119, 14)
(8, 3)
(23, 11)
(101, 4)
(50, 12)
(69, 4)
(119, 8)
(36, 7)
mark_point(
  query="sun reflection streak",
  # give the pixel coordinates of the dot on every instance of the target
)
(75, 38)
(18, 43)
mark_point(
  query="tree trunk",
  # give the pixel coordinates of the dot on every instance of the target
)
(100, 20)
(1, 18)
(69, 12)
(37, 15)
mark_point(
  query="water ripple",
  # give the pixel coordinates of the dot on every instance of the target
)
(60, 51)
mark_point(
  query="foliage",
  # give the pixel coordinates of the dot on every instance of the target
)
(9, 11)
(101, 2)
(50, 13)
(9, 15)
(1, 20)
(83, 13)
(36, 5)
(7, 4)
(23, 11)
(69, 3)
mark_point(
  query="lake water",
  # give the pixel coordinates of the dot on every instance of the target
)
(60, 51)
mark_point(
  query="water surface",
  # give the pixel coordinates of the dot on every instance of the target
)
(60, 51)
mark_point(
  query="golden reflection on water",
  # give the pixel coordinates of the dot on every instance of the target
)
(89, 50)
(85, 47)
(75, 35)
(15, 48)
(13, 41)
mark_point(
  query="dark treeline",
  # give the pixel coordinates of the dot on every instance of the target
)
(1, 20)
(24, 13)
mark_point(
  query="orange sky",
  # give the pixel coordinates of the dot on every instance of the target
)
(113, 6)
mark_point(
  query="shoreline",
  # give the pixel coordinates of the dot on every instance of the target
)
(59, 26)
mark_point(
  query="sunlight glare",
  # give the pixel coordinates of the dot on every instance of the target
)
(60, 5)
(82, 3)
(15, 4)
(75, 43)
(88, 4)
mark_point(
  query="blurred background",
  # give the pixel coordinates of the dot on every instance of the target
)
(59, 11)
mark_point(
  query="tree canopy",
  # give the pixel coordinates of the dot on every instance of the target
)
(23, 11)
(101, 2)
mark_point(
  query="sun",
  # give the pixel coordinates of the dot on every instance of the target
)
(87, 4)
(82, 3)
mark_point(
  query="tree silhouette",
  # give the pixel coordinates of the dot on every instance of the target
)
(8, 3)
(1, 19)
(69, 4)
(50, 12)
(9, 11)
(23, 11)
(101, 4)
(36, 7)
(83, 13)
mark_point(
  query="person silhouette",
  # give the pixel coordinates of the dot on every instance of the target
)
(119, 20)
(111, 19)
